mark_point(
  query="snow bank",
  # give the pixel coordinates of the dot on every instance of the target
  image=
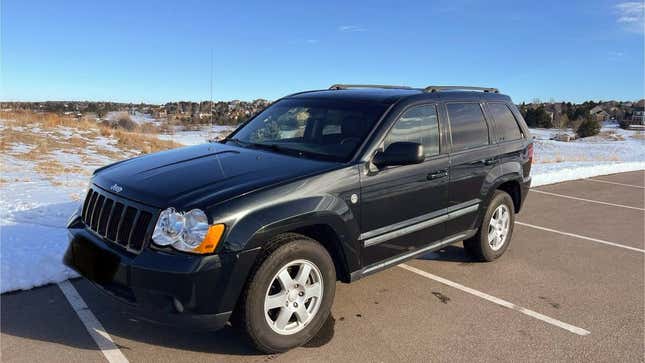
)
(613, 151)
(197, 137)
(543, 175)
(137, 117)
(33, 215)
(31, 256)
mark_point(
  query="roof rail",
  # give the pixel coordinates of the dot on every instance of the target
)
(348, 86)
(430, 89)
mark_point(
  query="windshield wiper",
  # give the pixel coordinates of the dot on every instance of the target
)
(280, 149)
(275, 147)
(259, 145)
(237, 141)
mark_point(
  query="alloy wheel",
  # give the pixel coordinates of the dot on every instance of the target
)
(293, 297)
(498, 227)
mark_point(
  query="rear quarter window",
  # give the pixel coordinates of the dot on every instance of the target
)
(467, 126)
(505, 123)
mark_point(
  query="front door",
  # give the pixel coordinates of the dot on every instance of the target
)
(400, 203)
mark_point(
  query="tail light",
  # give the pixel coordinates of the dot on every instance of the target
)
(530, 152)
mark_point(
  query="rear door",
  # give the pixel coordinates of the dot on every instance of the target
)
(400, 203)
(472, 157)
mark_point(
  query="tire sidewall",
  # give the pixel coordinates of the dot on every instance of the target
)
(261, 332)
(499, 198)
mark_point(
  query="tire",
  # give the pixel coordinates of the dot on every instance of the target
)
(479, 246)
(291, 253)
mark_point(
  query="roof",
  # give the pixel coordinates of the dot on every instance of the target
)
(392, 95)
(596, 109)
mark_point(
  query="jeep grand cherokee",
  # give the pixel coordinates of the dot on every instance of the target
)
(320, 186)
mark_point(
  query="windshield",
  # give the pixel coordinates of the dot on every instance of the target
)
(312, 128)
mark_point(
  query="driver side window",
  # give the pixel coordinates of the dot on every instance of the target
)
(417, 124)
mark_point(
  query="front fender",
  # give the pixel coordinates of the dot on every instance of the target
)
(323, 200)
(256, 228)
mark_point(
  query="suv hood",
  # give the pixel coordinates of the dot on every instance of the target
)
(199, 176)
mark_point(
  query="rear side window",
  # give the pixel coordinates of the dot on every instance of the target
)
(505, 123)
(417, 124)
(467, 125)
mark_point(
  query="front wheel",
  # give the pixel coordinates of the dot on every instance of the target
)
(290, 294)
(494, 234)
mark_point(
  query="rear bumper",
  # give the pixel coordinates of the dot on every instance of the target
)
(196, 292)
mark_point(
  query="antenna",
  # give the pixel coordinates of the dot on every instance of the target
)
(210, 131)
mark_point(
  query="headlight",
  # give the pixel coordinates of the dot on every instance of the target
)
(187, 231)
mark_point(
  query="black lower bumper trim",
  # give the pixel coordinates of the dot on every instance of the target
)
(192, 291)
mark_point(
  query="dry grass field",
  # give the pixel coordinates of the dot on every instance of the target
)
(58, 145)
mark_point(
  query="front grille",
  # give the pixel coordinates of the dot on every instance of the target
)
(117, 220)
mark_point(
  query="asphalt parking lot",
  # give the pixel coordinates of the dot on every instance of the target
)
(570, 287)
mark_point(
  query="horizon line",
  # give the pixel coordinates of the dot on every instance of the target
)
(269, 100)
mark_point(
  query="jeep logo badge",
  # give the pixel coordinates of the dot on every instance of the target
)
(116, 188)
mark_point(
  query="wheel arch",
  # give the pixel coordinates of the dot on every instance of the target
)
(326, 229)
(513, 188)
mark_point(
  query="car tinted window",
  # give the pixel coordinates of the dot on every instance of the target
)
(467, 125)
(505, 123)
(418, 124)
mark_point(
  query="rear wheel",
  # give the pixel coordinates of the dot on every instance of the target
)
(494, 234)
(290, 294)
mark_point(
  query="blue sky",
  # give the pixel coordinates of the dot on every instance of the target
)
(153, 51)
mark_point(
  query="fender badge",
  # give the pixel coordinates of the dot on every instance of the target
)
(116, 188)
(353, 198)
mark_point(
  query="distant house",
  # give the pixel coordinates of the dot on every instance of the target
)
(638, 115)
(599, 114)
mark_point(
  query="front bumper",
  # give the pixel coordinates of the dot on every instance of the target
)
(197, 292)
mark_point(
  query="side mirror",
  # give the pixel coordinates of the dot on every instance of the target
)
(399, 153)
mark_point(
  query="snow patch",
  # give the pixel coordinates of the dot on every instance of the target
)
(543, 175)
(195, 137)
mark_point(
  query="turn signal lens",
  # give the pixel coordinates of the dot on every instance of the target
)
(530, 153)
(211, 240)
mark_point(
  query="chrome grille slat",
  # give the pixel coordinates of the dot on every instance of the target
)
(109, 219)
(127, 222)
(104, 216)
(134, 224)
(140, 230)
(98, 206)
(86, 203)
(117, 220)
(90, 207)
(113, 227)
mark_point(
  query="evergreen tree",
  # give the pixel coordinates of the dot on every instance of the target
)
(538, 117)
(589, 127)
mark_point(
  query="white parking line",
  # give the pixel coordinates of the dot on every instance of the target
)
(611, 182)
(614, 244)
(92, 324)
(586, 200)
(498, 301)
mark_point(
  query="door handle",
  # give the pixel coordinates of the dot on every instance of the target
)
(437, 174)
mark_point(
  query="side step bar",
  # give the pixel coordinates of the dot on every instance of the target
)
(368, 270)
